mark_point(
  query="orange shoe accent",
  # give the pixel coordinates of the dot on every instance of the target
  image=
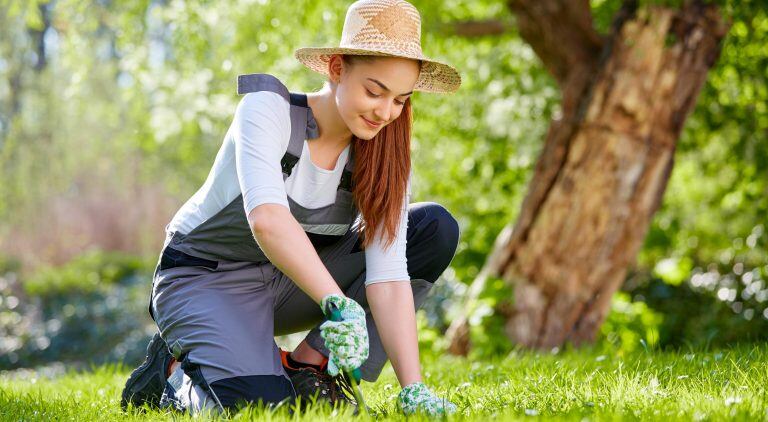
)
(284, 358)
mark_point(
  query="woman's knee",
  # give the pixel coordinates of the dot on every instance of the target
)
(268, 389)
(436, 218)
(433, 241)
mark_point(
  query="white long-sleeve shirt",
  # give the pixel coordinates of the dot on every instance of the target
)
(248, 163)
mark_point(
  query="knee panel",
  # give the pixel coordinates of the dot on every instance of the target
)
(236, 391)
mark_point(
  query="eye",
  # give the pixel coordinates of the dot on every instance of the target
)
(371, 94)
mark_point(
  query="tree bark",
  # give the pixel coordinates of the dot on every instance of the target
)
(38, 37)
(605, 164)
(479, 28)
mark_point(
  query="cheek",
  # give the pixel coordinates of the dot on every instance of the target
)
(360, 104)
(349, 113)
(352, 108)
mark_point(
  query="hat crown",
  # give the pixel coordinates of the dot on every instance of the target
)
(384, 28)
(382, 25)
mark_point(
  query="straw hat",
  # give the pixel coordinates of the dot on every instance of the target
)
(384, 28)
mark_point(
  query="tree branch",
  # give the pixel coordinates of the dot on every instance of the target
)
(480, 28)
(561, 34)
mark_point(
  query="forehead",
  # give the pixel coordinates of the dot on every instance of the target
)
(397, 74)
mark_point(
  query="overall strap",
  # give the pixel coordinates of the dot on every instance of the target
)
(346, 176)
(303, 123)
(303, 126)
(260, 82)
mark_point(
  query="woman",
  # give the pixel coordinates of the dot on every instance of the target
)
(307, 203)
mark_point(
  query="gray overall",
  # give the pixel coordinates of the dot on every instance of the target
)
(219, 302)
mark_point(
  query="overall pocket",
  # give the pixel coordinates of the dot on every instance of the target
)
(174, 258)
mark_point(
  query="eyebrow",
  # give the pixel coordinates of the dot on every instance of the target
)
(384, 87)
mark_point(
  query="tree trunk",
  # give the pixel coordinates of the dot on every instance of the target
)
(605, 164)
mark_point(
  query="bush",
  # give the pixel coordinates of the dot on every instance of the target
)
(94, 271)
(91, 310)
(710, 309)
(630, 325)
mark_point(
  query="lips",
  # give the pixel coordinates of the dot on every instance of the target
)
(370, 123)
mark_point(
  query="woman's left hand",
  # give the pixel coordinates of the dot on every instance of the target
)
(417, 397)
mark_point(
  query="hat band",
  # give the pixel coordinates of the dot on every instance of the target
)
(409, 49)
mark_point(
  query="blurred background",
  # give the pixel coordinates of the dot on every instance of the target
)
(112, 111)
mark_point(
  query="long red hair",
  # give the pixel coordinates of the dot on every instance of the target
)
(380, 176)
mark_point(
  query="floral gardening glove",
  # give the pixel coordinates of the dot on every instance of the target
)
(347, 340)
(416, 397)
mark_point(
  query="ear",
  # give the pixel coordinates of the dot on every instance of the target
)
(335, 66)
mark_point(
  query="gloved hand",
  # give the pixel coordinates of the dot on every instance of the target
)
(347, 340)
(416, 397)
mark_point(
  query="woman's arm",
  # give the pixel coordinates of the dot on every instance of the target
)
(390, 297)
(261, 131)
(394, 313)
(286, 245)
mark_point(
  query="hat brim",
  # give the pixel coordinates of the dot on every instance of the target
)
(435, 76)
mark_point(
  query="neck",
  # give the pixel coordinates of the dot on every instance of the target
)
(334, 133)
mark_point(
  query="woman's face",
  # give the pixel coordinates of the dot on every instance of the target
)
(371, 95)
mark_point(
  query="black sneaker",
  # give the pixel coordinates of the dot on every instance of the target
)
(311, 384)
(146, 383)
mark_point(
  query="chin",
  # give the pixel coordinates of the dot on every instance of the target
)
(366, 135)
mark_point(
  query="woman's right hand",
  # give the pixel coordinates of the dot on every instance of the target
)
(347, 340)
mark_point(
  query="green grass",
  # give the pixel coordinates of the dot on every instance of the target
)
(573, 385)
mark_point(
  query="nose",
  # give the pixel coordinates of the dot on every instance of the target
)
(383, 112)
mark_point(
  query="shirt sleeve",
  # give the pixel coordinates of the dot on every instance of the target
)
(389, 264)
(261, 130)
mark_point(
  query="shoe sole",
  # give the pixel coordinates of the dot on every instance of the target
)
(139, 388)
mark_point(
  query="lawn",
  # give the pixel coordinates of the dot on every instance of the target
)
(571, 385)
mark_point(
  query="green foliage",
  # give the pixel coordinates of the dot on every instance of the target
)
(9, 265)
(630, 325)
(712, 309)
(93, 309)
(487, 319)
(673, 270)
(431, 344)
(94, 271)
